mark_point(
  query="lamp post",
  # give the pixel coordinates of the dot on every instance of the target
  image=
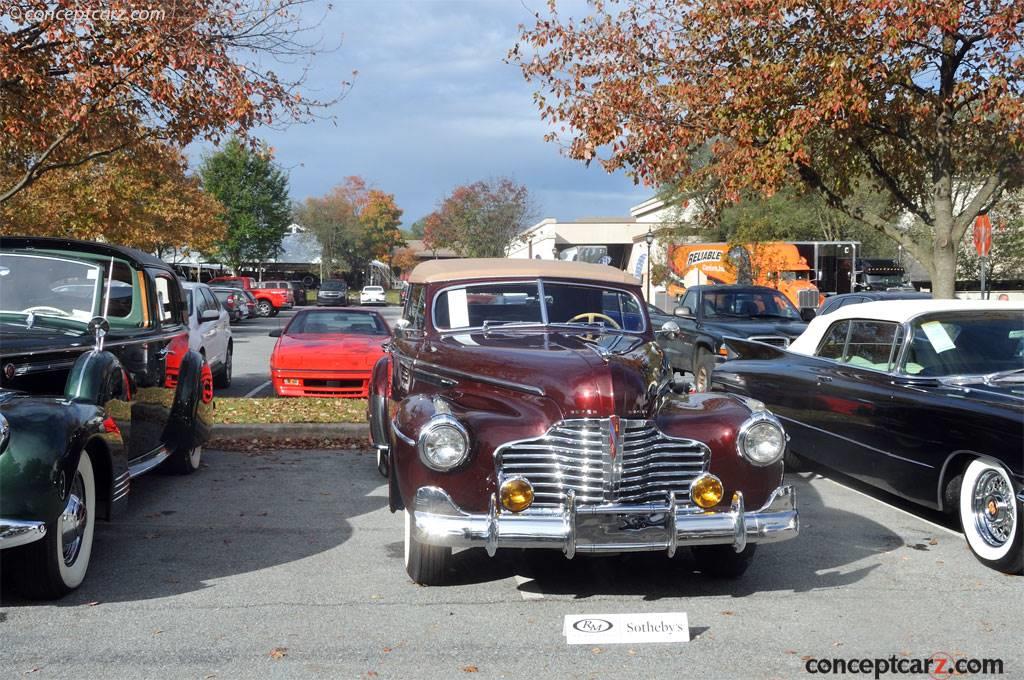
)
(650, 239)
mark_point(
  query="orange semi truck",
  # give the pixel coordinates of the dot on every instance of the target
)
(775, 264)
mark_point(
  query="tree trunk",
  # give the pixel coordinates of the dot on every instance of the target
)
(943, 267)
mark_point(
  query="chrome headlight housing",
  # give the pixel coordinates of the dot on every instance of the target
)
(761, 439)
(443, 443)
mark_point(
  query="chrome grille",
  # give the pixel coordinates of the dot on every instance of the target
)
(808, 298)
(777, 340)
(605, 460)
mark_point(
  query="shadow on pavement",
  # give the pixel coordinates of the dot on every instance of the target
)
(239, 513)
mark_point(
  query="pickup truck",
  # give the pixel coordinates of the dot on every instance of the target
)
(269, 301)
(709, 314)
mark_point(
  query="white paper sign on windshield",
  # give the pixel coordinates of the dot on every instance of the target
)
(938, 337)
(458, 308)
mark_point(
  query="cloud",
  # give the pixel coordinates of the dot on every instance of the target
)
(434, 106)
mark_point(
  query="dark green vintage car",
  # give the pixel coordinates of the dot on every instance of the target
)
(97, 386)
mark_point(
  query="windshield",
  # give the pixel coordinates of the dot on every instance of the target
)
(495, 304)
(888, 280)
(333, 285)
(356, 323)
(748, 303)
(804, 275)
(962, 343)
(49, 286)
(373, 289)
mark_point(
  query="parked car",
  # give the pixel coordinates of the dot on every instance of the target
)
(209, 331)
(327, 353)
(269, 301)
(525, 404)
(298, 296)
(921, 398)
(709, 314)
(252, 305)
(234, 302)
(332, 293)
(372, 295)
(834, 302)
(88, 397)
(299, 293)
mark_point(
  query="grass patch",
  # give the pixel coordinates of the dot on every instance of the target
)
(232, 410)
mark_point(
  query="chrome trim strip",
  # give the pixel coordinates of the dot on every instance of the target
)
(110, 343)
(144, 464)
(401, 435)
(15, 532)
(854, 441)
(418, 363)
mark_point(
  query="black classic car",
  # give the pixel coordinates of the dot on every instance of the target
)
(709, 314)
(525, 404)
(921, 398)
(97, 386)
(834, 302)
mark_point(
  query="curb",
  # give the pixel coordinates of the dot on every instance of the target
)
(274, 431)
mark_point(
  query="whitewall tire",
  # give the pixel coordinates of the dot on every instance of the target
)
(990, 515)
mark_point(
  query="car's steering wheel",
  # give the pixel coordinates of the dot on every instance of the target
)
(593, 316)
(44, 309)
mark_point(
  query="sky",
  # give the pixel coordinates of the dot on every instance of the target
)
(434, 106)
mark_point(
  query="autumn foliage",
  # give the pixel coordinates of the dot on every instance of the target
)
(141, 198)
(481, 219)
(922, 98)
(81, 80)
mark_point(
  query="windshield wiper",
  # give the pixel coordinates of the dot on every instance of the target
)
(1005, 375)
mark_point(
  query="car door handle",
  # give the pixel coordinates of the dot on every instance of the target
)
(824, 379)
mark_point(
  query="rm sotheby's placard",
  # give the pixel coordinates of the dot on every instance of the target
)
(588, 629)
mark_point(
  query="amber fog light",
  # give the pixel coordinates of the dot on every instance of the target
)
(706, 491)
(516, 494)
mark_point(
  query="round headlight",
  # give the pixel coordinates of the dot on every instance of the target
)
(443, 443)
(762, 440)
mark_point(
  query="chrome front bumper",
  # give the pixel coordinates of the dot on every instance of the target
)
(15, 532)
(608, 528)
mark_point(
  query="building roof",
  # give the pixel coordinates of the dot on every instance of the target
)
(893, 310)
(422, 252)
(492, 268)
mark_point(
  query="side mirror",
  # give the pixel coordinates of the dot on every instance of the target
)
(276, 333)
(670, 329)
(808, 313)
(209, 315)
(683, 312)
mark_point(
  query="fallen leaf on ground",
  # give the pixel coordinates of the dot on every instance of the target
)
(728, 613)
(470, 669)
(278, 652)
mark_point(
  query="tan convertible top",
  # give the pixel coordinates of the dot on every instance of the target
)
(494, 268)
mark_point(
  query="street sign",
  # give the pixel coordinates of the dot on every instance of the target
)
(983, 235)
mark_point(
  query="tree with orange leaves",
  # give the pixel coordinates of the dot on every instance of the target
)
(922, 98)
(83, 80)
(142, 197)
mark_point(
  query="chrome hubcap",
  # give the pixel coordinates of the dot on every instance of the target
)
(73, 521)
(993, 507)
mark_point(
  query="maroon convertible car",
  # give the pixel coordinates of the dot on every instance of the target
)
(525, 404)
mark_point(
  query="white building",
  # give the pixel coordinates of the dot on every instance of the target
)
(617, 241)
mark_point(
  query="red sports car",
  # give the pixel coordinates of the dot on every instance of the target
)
(327, 353)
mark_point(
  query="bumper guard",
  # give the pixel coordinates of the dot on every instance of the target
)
(15, 532)
(607, 528)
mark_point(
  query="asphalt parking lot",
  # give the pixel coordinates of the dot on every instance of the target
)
(288, 564)
(253, 345)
